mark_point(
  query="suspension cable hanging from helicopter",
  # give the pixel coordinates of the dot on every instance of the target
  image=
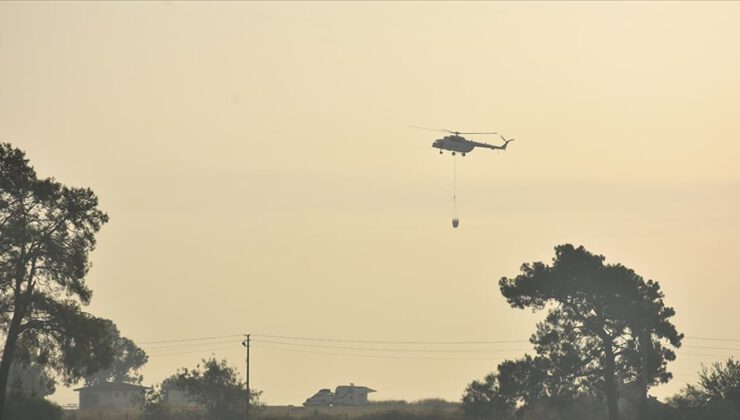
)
(455, 219)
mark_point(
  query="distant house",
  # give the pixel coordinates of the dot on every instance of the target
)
(323, 397)
(112, 395)
(343, 395)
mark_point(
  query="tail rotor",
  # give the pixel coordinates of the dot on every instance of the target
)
(506, 141)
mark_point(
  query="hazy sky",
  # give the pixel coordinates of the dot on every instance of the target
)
(257, 165)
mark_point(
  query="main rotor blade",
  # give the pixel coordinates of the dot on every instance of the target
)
(444, 130)
(430, 129)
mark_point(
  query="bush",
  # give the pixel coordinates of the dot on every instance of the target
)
(21, 407)
(405, 415)
(213, 390)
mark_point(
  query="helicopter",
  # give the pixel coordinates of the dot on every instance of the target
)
(457, 143)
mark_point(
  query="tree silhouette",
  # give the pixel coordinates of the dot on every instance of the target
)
(716, 396)
(47, 231)
(599, 311)
(489, 398)
(127, 359)
(722, 381)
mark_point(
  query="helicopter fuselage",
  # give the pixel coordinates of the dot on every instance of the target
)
(457, 143)
(454, 144)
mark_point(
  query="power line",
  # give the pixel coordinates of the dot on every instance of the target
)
(376, 356)
(191, 339)
(713, 348)
(686, 375)
(705, 354)
(336, 340)
(388, 349)
(303, 338)
(183, 345)
(689, 337)
(194, 342)
(192, 351)
(215, 346)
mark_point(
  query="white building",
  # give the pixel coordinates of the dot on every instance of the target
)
(112, 395)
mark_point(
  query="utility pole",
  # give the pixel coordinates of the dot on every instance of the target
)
(246, 343)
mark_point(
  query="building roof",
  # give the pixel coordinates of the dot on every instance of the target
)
(359, 388)
(113, 386)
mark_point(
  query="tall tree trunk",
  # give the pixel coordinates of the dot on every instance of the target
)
(8, 351)
(609, 378)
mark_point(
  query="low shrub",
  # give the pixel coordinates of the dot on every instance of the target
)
(22, 407)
